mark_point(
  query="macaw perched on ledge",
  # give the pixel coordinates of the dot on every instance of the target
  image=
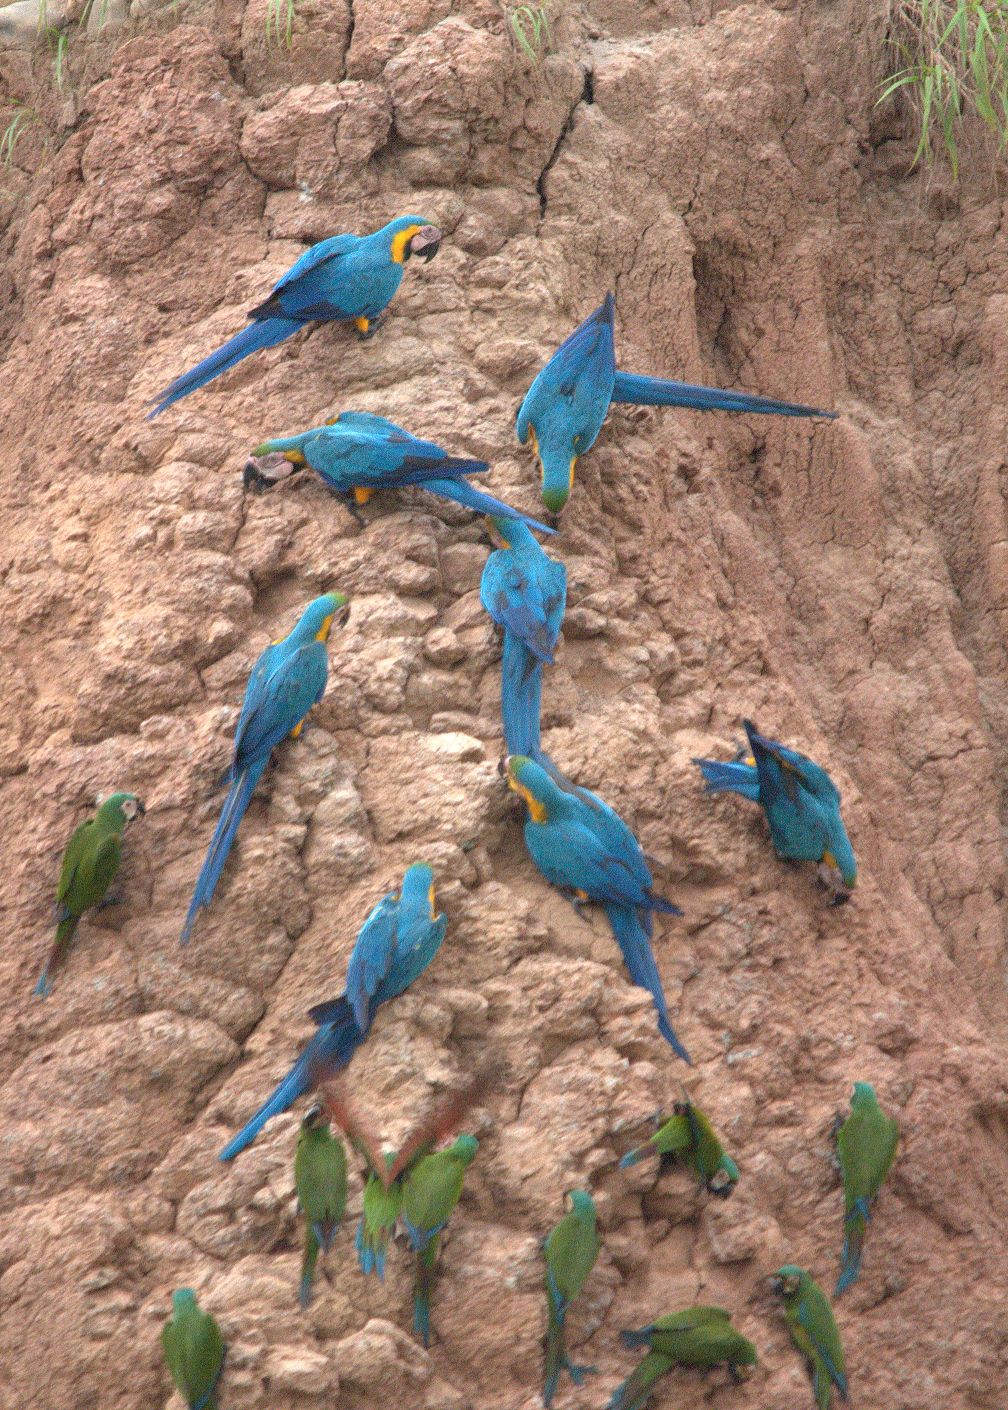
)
(866, 1148)
(801, 803)
(565, 406)
(394, 946)
(287, 680)
(320, 1179)
(813, 1331)
(570, 1250)
(356, 453)
(195, 1351)
(701, 1337)
(346, 278)
(584, 848)
(90, 865)
(525, 592)
(431, 1190)
(688, 1138)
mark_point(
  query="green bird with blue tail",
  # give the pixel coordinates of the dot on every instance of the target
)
(320, 1179)
(525, 592)
(565, 406)
(570, 1251)
(866, 1149)
(90, 865)
(584, 848)
(357, 453)
(431, 1190)
(347, 278)
(288, 679)
(195, 1351)
(687, 1138)
(813, 1331)
(394, 946)
(801, 803)
(700, 1337)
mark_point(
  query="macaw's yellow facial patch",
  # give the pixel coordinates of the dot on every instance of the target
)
(297, 729)
(570, 483)
(332, 420)
(432, 903)
(323, 631)
(830, 860)
(362, 495)
(294, 456)
(400, 241)
(537, 811)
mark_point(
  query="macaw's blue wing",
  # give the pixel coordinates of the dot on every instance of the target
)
(515, 601)
(283, 697)
(659, 391)
(521, 693)
(580, 373)
(462, 493)
(796, 770)
(730, 778)
(355, 456)
(640, 962)
(310, 281)
(371, 960)
(417, 946)
(330, 1050)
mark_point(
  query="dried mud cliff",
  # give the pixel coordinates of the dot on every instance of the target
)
(846, 585)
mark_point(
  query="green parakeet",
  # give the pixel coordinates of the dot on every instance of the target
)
(702, 1337)
(813, 1331)
(320, 1178)
(431, 1190)
(194, 1350)
(689, 1139)
(571, 1250)
(866, 1146)
(90, 864)
(377, 1221)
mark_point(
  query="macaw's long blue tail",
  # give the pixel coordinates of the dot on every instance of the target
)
(264, 333)
(521, 694)
(462, 493)
(854, 1232)
(57, 954)
(423, 1284)
(421, 470)
(658, 391)
(235, 804)
(640, 962)
(294, 1085)
(730, 778)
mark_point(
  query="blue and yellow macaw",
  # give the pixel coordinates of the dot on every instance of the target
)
(346, 278)
(396, 943)
(582, 846)
(565, 406)
(525, 592)
(801, 802)
(356, 453)
(287, 680)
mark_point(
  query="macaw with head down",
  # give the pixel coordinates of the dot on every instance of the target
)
(525, 592)
(582, 846)
(565, 406)
(688, 1138)
(801, 803)
(286, 682)
(813, 1331)
(320, 1179)
(90, 865)
(357, 453)
(701, 1337)
(195, 1351)
(866, 1148)
(570, 1250)
(345, 278)
(396, 943)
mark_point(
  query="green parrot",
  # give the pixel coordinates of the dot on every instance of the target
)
(320, 1178)
(702, 1337)
(194, 1350)
(689, 1139)
(90, 864)
(431, 1189)
(571, 1250)
(866, 1146)
(377, 1221)
(813, 1331)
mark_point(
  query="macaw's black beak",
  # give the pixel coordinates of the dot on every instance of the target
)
(840, 898)
(140, 807)
(426, 242)
(262, 471)
(343, 615)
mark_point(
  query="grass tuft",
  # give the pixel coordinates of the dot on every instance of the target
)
(280, 23)
(530, 30)
(14, 131)
(953, 57)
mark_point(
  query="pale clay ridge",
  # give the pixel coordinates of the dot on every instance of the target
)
(844, 585)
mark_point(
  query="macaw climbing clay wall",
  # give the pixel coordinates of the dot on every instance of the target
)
(844, 584)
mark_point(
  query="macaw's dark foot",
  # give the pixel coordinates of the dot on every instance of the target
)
(739, 1374)
(577, 900)
(578, 1373)
(368, 327)
(110, 900)
(840, 898)
(353, 508)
